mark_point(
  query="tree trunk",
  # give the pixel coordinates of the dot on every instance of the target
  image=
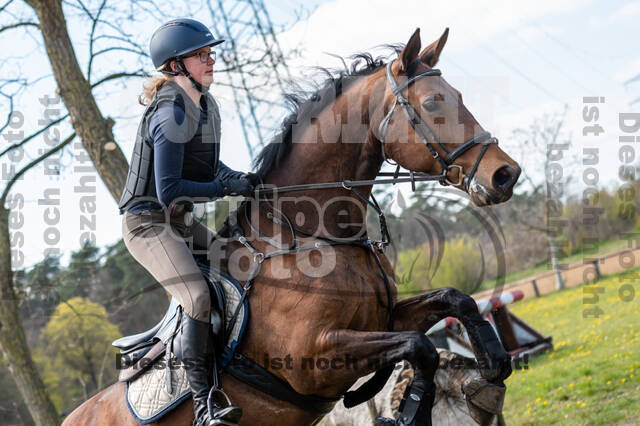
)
(94, 132)
(555, 263)
(13, 343)
(87, 120)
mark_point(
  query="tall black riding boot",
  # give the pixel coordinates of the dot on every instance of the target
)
(198, 357)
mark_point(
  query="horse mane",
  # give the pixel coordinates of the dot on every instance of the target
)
(305, 103)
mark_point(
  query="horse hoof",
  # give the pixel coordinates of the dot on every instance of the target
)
(384, 421)
(484, 399)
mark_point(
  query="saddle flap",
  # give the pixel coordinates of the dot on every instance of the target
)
(128, 342)
(132, 367)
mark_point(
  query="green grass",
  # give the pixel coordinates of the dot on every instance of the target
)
(601, 248)
(593, 374)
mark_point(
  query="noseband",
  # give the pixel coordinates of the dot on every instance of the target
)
(424, 131)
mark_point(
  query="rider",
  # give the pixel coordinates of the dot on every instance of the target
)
(174, 164)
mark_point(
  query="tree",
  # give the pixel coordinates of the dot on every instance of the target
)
(13, 343)
(77, 350)
(38, 291)
(81, 275)
(134, 299)
(540, 209)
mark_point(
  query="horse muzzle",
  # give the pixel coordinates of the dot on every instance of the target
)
(498, 189)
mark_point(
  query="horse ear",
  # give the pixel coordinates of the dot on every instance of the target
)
(410, 51)
(431, 53)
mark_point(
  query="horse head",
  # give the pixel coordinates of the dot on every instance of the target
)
(425, 127)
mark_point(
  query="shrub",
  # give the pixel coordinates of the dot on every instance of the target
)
(460, 266)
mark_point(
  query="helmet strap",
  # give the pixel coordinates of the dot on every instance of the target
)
(183, 70)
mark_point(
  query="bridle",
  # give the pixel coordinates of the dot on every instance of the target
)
(423, 130)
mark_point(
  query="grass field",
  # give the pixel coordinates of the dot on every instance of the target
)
(593, 374)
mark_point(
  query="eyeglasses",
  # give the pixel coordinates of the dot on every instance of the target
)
(204, 56)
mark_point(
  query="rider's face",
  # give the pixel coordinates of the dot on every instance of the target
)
(202, 72)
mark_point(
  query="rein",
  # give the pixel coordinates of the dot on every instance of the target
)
(348, 184)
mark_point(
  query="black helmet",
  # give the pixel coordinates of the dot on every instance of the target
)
(177, 37)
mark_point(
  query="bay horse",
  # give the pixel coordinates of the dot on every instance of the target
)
(344, 132)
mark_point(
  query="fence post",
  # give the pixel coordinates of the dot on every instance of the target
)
(535, 287)
(596, 267)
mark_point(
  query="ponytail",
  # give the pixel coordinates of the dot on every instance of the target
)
(154, 84)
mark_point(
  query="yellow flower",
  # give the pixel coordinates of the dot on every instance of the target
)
(544, 403)
(583, 405)
(538, 399)
(623, 380)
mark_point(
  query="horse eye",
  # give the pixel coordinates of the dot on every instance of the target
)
(430, 104)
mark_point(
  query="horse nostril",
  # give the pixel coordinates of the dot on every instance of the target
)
(504, 178)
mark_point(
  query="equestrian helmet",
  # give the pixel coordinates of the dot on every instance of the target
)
(177, 37)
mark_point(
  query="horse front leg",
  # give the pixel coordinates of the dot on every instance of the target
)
(423, 311)
(371, 351)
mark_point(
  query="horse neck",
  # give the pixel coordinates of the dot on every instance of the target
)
(335, 145)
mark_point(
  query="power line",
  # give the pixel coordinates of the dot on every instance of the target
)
(544, 58)
(247, 21)
(474, 78)
(572, 50)
(521, 74)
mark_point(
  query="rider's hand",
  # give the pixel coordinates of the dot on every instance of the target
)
(238, 186)
(254, 178)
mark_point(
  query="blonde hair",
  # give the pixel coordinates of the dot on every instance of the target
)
(154, 84)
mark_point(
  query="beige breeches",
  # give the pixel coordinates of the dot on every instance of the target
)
(164, 246)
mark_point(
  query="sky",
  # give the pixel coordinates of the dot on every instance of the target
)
(512, 61)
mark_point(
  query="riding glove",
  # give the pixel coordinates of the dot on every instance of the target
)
(238, 186)
(254, 178)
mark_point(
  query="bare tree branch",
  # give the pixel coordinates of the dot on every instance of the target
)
(22, 171)
(18, 24)
(85, 9)
(4, 6)
(124, 39)
(125, 49)
(92, 39)
(22, 83)
(9, 114)
(30, 137)
(115, 76)
(139, 73)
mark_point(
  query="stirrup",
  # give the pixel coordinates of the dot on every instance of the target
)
(228, 416)
(384, 421)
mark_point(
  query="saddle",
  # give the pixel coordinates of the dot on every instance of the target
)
(139, 351)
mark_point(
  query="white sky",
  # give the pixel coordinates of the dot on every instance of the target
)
(513, 61)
